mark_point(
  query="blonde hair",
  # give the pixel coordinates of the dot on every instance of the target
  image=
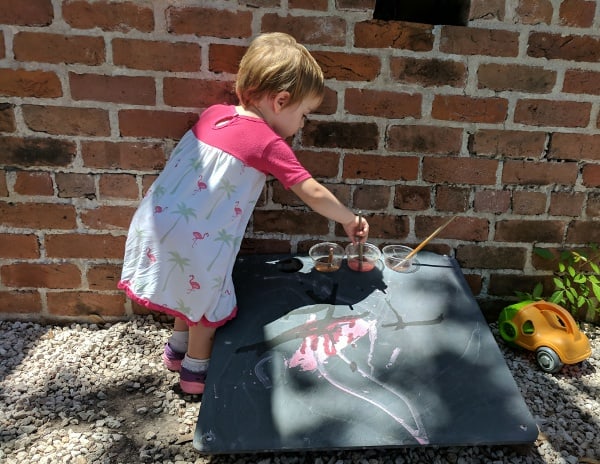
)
(274, 63)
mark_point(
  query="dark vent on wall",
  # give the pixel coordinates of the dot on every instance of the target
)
(453, 12)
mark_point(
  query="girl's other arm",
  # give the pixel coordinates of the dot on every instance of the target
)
(321, 200)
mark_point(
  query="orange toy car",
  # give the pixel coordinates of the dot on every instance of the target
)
(546, 328)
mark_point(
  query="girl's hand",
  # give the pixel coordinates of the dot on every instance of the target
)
(357, 230)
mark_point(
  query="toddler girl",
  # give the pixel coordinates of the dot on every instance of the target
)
(187, 231)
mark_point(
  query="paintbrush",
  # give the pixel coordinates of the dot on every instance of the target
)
(360, 244)
(420, 246)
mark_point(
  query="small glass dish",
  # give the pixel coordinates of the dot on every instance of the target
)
(326, 256)
(394, 257)
(370, 255)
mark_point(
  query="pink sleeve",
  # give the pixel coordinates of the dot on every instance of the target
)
(279, 160)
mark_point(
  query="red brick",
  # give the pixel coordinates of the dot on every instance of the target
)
(289, 222)
(362, 5)
(38, 215)
(317, 5)
(529, 231)
(320, 163)
(508, 284)
(392, 105)
(108, 16)
(359, 135)
(393, 34)
(197, 93)
(156, 55)
(154, 123)
(3, 186)
(348, 66)
(49, 275)
(116, 89)
(513, 77)
(475, 283)
(491, 257)
(58, 48)
(23, 83)
(20, 302)
(428, 72)
(86, 304)
(75, 185)
(462, 228)
(209, 22)
(424, 139)
(103, 276)
(119, 186)
(469, 109)
(478, 41)
(591, 175)
(529, 203)
(7, 118)
(107, 217)
(383, 226)
(371, 197)
(19, 246)
(225, 58)
(583, 232)
(2, 46)
(489, 10)
(564, 47)
(577, 13)
(566, 204)
(539, 173)
(380, 167)
(29, 13)
(452, 199)
(412, 197)
(507, 143)
(64, 120)
(534, 12)
(581, 81)
(94, 246)
(321, 30)
(28, 152)
(34, 183)
(552, 113)
(123, 155)
(492, 201)
(576, 147)
(460, 170)
(593, 203)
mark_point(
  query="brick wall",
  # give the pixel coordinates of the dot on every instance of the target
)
(497, 122)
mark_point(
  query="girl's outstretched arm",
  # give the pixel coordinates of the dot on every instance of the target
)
(321, 200)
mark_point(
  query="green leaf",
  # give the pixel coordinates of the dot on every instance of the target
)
(557, 297)
(543, 253)
(561, 267)
(596, 290)
(537, 291)
(581, 301)
(580, 279)
(571, 271)
(558, 283)
(595, 268)
(570, 297)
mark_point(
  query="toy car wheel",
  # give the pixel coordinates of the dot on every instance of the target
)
(548, 360)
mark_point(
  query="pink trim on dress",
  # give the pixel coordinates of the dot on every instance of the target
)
(124, 285)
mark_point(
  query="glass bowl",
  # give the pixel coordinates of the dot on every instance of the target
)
(370, 255)
(394, 257)
(326, 256)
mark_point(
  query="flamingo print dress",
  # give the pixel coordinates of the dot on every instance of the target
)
(187, 231)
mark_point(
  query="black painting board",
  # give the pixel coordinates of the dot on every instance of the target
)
(343, 360)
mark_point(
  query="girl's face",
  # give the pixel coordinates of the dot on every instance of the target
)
(290, 119)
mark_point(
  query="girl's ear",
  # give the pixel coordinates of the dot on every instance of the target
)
(281, 100)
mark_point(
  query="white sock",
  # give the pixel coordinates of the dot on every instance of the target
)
(179, 341)
(195, 365)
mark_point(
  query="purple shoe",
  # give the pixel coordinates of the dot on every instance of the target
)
(172, 359)
(192, 382)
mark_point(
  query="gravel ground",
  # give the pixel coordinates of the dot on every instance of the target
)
(88, 393)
